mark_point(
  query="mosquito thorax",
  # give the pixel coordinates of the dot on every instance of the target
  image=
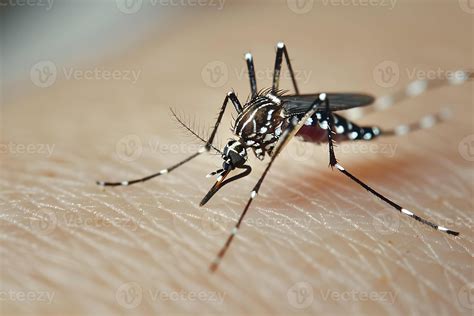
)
(234, 155)
(260, 124)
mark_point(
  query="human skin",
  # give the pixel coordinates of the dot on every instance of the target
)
(312, 243)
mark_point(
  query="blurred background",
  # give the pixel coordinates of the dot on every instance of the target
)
(86, 88)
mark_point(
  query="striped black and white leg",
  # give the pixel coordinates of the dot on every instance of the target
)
(334, 163)
(413, 89)
(252, 78)
(393, 204)
(294, 125)
(207, 147)
(161, 172)
(281, 50)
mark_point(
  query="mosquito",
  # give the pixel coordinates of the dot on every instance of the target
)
(271, 118)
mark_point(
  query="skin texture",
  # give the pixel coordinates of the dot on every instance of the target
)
(313, 242)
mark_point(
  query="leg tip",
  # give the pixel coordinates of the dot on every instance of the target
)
(452, 232)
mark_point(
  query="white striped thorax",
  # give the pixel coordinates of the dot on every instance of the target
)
(260, 124)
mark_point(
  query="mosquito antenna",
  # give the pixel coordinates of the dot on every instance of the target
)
(190, 130)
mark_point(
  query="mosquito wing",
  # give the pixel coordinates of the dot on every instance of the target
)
(298, 104)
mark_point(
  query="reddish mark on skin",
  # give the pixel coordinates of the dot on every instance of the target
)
(315, 134)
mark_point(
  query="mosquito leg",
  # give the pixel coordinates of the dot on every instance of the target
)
(281, 50)
(238, 107)
(164, 171)
(333, 163)
(252, 78)
(413, 89)
(207, 147)
(294, 125)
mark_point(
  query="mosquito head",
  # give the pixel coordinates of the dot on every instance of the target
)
(234, 155)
